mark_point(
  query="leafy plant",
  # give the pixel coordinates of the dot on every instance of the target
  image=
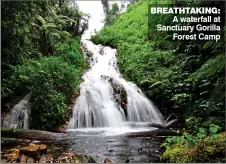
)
(42, 56)
(51, 82)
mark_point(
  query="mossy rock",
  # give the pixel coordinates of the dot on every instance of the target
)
(85, 158)
(206, 150)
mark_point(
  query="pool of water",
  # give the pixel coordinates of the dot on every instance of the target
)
(109, 143)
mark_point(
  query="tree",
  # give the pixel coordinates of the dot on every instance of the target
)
(112, 15)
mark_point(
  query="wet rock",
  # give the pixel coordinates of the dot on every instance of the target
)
(49, 159)
(43, 159)
(37, 153)
(30, 160)
(11, 151)
(23, 158)
(127, 160)
(119, 94)
(108, 160)
(54, 152)
(71, 157)
(26, 159)
(85, 158)
(89, 54)
(31, 151)
(34, 151)
(42, 148)
(13, 155)
(63, 128)
(69, 154)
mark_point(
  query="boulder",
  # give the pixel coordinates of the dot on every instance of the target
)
(108, 160)
(13, 155)
(34, 151)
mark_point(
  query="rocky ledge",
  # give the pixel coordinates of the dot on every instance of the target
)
(40, 153)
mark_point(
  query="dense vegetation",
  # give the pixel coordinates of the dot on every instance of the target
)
(41, 56)
(184, 78)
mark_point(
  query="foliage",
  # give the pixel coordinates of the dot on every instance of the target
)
(206, 148)
(186, 78)
(50, 82)
(112, 15)
(42, 56)
(70, 52)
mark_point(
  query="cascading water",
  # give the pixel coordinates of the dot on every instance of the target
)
(97, 107)
(104, 90)
(18, 115)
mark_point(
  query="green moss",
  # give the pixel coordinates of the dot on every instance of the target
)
(85, 158)
(204, 151)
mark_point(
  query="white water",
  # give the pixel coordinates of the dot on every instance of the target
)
(18, 115)
(96, 106)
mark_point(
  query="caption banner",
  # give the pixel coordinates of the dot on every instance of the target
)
(187, 23)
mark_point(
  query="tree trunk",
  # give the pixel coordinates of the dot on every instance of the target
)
(31, 134)
(154, 133)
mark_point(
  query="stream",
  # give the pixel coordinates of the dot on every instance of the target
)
(100, 145)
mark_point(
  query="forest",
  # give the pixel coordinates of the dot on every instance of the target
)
(44, 61)
(41, 55)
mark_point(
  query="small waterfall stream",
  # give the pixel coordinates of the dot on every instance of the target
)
(17, 118)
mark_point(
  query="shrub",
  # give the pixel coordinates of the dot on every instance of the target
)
(51, 82)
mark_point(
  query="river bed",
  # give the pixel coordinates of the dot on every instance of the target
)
(103, 143)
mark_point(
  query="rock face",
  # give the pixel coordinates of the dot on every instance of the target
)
(119, 94)
(37, 153)
(88, 54)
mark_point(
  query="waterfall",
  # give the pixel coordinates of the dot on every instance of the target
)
(106, 99)
(18, 115)
(97, 106)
